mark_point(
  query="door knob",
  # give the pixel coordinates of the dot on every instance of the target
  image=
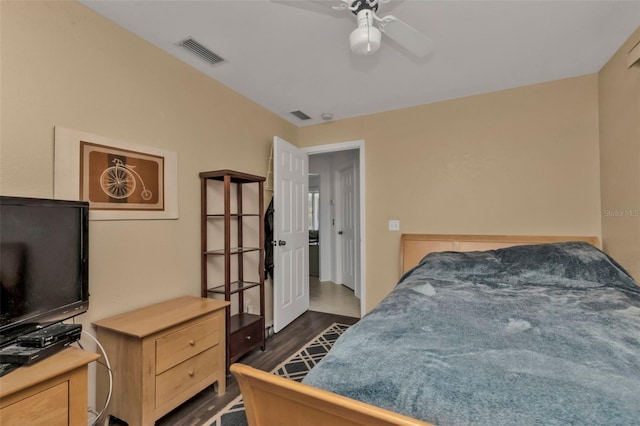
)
(339, 232)
(282, 243)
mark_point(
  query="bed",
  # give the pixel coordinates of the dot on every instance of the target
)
(483, 330)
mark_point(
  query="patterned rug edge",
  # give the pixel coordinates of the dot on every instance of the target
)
(237, 404)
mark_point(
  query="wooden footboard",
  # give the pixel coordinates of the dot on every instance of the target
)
(271, 400)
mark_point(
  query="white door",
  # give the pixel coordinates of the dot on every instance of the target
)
(291, 233)
(347, 238)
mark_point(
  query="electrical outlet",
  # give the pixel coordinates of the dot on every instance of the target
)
(394, 225)
(249, 309)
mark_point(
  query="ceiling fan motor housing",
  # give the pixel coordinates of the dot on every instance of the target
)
(358, 5)
(365, 39)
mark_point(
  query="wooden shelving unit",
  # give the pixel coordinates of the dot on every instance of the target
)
(224, 224)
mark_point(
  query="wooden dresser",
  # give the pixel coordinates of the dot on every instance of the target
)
(50, 392)
(162, 355)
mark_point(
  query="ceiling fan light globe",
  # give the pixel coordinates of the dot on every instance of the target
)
(365, 40)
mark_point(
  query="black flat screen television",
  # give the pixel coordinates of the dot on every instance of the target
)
(44, 263)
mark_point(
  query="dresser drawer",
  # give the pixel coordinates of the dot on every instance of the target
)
(184, 376)
(246, 339)
(49, 407)
(183, 344)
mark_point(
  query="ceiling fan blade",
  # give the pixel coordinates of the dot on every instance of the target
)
(406, 36)
(321, 6)
(388, 5)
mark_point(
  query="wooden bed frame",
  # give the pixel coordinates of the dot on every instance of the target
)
(271, 400)
(413, 247)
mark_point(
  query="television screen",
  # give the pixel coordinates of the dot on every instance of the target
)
(43, 263)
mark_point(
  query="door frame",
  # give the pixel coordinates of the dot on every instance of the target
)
(344, 146)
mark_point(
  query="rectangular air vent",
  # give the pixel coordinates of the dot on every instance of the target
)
(196, 48)
(301, 115)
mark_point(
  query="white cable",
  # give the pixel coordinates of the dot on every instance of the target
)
(106, 361)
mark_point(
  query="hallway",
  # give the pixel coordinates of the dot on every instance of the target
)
(332, 298)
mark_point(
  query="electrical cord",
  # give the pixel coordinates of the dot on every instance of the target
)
(107, 365)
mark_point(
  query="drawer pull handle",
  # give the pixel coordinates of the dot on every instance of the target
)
(248, 337)
(192, 342)
(190, 373)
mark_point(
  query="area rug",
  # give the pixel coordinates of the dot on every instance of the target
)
(295, 368)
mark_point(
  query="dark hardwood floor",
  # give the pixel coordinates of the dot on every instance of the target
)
(207, 403)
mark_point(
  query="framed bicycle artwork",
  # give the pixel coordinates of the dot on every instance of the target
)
(120, 180)
(112, 178)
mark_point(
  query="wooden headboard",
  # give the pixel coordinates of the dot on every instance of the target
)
(413, 247)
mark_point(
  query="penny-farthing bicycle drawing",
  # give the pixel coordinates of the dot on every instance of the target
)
(119, 181)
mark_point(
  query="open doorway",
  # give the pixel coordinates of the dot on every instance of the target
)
(334, 232)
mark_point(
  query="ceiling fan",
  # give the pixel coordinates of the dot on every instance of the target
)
(366, 38)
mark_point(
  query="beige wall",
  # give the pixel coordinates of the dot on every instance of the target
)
(520, 161)
(64, 65)
(619, 100)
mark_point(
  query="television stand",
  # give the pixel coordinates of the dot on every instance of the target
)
(52, 391)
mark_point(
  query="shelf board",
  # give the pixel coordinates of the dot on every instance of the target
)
(236, 177)
(236, 286)
(221, 215)
(234, 250)
(240, 321)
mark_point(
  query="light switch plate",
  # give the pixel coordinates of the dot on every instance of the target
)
(394, 225)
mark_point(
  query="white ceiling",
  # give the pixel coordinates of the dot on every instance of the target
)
(288, 57)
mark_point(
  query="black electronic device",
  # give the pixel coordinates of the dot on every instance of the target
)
(15, 354)
(51, 334)
(6, 368)
(44, 263)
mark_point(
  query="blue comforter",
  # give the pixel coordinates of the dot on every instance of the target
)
(545, 334)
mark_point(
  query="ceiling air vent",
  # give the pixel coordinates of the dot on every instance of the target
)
(301, 115)
(201, 51)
